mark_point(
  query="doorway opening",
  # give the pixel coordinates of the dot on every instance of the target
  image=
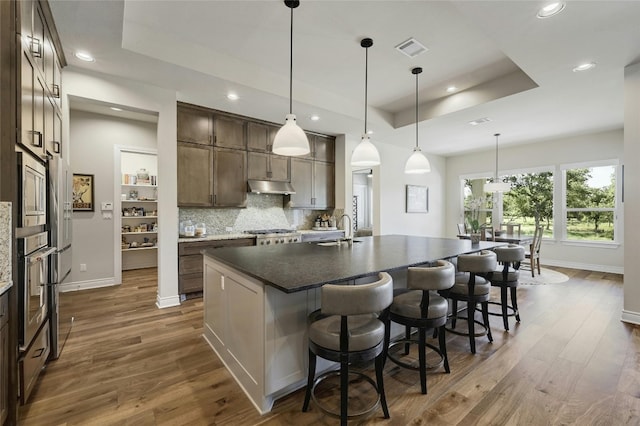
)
(362, 202)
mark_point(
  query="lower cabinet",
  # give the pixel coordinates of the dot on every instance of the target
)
(33, 361)
(4, 358)
(190, 261)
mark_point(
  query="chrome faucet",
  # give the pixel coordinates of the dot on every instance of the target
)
(345, 229)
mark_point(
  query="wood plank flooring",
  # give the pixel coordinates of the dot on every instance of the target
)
(570, 361)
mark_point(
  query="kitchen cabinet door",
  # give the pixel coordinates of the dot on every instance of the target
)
(195, 175)
(194, 126)
(258, 166)
(228, 132)
(28, 138)
(49, 127)
(302, 182)
(230, 178)
(280, 170)
(323, 185)
(4, 358)
(324, 148)
(57, 82)
(48, 61)
(37, 42)
(258, 137)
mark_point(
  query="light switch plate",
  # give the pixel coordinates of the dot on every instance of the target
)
(107, 206)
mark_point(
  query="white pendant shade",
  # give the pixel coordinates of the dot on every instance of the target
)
(497, 187)
(365, 153)
(290, 140)
(417, 163)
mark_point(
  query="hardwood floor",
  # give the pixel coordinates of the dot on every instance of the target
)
(570, 361)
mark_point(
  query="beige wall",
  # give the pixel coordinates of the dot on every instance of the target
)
(631, 310)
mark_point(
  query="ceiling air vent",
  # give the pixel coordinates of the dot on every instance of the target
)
(411, 47)
(479, 121)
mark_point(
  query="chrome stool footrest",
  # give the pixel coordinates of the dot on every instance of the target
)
(336, 414)
(514, 312)
(396, 361)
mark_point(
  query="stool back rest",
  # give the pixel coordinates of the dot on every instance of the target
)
(439, 277)
(358, 299)
(512, 253)
(483, 262)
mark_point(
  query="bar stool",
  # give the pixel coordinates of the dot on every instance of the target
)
(471, 287)
(506, 277)
(424, 310)
(355, 328)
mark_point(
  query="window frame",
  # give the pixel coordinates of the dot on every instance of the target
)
(616, 210)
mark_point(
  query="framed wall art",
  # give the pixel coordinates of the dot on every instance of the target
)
(417, 199)
(83, 188)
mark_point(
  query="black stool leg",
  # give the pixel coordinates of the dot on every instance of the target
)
(380, 360)
(471, 311)
(312, 373)
(443, 348)
(503, 302)
(454, 312)
(485, 317)
(422, 358)
(514, 302)
(407, 334)
(344, 390)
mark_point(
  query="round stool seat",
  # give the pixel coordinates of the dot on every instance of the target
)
(365, 331)
(497, 276)
(408, 305)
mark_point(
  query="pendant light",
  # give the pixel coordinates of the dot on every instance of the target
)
(365, 153)
(291, 139)
(496, 185)
(418, 162)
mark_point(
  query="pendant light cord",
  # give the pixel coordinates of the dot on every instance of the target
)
(366, 76)
(291, 66)
(417, 110)
(496, 135)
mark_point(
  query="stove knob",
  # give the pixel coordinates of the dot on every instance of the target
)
(261, 243)
(282, 240)
(268, 242)
(277, 241)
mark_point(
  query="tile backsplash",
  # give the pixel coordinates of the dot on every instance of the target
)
(263, 211)
(5, 242)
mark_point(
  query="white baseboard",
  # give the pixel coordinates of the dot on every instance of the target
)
(168, 302)
(89, 284)
(630, 317)
(584, 266)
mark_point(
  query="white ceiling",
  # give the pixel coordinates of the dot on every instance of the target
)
(509, 65)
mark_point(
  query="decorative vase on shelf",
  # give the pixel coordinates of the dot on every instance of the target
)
(143, 177)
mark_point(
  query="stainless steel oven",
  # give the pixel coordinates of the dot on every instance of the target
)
(33, 277)
(32, 191)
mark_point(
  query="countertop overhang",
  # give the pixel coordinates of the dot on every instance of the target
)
(296, 267)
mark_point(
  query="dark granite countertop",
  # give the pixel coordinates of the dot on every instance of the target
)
(296, 267)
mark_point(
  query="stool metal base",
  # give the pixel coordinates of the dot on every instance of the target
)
(355, 416)
(514, 312)
(480, 333)
(410, 366)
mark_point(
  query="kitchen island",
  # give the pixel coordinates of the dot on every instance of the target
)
(257, 299)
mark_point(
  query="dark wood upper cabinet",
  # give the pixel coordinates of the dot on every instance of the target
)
(323, 148)
(230, 178)
(194, 126)
(228, 132)
(259, 137)
(195, 175)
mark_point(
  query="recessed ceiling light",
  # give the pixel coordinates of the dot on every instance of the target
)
(315, 117)
(584, 67)
(232, 97)
(451, 89)
(84, 56)
(479, 121)
(551, 9)
(116, 108)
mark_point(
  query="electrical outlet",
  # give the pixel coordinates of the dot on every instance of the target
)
(83, 267)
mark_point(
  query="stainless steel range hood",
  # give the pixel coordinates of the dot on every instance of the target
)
(269, 187)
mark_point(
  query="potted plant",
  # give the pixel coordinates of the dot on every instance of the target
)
(474, 220)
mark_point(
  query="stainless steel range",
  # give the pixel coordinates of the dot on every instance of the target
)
(267, 237)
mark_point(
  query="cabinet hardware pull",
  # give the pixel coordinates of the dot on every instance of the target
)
(36, 47)
(56, 147)
(56, 91)
(33, 140)
(38, 353)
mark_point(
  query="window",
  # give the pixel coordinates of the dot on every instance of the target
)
(530, 201)
(590, 201)
(478, 205)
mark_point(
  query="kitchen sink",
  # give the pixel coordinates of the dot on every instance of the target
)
(336, 243)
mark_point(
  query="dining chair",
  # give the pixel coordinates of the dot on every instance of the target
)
(462, 229)
(533, 254)
(486, 232)
(510, 228)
